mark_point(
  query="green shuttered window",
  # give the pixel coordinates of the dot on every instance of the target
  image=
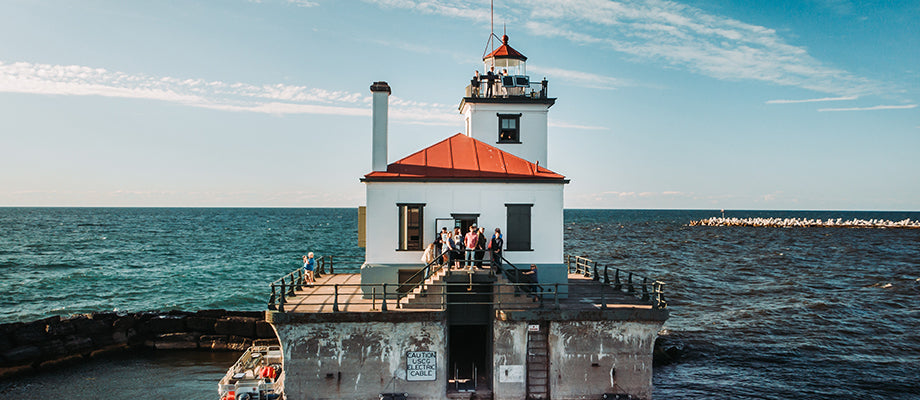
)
(518, 235)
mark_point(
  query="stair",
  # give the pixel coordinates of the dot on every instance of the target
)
(507, 298)
(422, 297)
(538, 363)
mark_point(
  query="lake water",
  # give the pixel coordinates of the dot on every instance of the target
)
(760, 313)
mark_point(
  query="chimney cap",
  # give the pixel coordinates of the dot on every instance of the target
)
(380, 86)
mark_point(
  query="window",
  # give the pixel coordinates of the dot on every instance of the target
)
(509, 128)
(518, 235)
(410, 226)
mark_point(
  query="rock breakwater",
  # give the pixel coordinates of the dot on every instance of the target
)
(27, 347)
(806, 222)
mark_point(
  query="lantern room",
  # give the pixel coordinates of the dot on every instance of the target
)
(506, 60)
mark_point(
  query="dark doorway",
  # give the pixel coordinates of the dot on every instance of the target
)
(469, 319)
(464, 221)
(469, 356)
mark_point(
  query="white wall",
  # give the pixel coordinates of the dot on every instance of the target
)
(482, 123)
(486, 199)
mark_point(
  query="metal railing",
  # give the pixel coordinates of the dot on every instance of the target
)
(516, 296)
(501, 88)
(650, 291)
(647, 290)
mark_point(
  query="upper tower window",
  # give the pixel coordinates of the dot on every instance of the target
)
(509, 128)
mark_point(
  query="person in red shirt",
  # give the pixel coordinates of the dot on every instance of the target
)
(471, 239)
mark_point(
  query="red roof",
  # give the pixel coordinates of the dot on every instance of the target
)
(461, 157)
(505, 51)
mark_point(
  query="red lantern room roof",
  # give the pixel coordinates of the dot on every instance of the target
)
(462, 158)
(505, 51)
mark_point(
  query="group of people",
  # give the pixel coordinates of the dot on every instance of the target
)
(490, 77)
(457, 249)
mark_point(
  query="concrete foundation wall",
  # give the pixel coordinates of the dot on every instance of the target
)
(359, 360)
(509, 356)
(586, 358)
(589, 358)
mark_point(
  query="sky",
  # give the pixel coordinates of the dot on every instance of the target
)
(709, 104)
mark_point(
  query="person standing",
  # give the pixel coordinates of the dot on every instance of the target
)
(480, 246)
(309, 265)
(472, 238)
(456, 245)
(495, 247)
(490, 80)
(530, 277)
(474, 84)
(445, 246)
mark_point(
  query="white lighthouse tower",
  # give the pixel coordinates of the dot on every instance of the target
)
(511, 115)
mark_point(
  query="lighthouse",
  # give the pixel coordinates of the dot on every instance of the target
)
(531, 323)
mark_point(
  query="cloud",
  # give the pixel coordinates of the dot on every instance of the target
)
(303, 3)
(277, 99)
(579, 78)
(437, 7)
(666, 33)
(689, 38)
(873, 108)
(642, 194)
(842, 98)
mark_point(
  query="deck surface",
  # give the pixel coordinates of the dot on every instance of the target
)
(584, 294)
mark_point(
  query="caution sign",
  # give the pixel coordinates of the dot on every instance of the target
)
(421, 365)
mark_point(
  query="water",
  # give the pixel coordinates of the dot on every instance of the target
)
(760, 313)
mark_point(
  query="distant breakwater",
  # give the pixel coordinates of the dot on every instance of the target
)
(29, 347)
(807, 223)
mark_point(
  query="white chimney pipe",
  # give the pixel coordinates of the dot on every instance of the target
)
(381, 91)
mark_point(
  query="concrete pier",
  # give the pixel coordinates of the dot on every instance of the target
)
(470, 333)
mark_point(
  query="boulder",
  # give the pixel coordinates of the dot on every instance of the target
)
(215, 314)
(247, 314)
(53, 349)
(174, 341)
(86, 326)
(201, 324)
(237, 343)
(163, 324)
(120, 337)
(22, 354)
(103, 339)
(32, 332)
(236, 326)
(77, 344)
(108, 349)
(213, 342)
(124, 322)
(62, 327)
(58, 362)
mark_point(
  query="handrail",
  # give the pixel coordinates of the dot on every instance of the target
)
(383, 303)
(516, 278)
(650, 291)
(408, 286)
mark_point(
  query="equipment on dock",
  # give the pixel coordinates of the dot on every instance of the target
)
(257, 375)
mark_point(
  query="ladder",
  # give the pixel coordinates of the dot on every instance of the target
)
(537, 361)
